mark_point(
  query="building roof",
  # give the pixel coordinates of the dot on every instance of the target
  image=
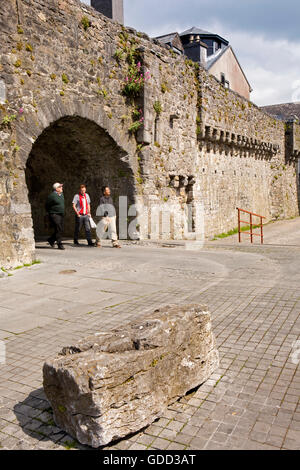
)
(283, 111)
(217, 56)
(166, 38)
(173, 39)
(195, 30)
(212, 59)
(203, 33)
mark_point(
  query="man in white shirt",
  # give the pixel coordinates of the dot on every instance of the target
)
(107, 212)
(82, 209)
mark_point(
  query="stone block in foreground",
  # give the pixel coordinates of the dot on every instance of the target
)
(115, 383)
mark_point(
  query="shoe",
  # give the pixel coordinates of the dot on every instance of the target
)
(61, 247)
(91, 244)
(76, 243)
(97, 244)
(51, 243)
(116, 245)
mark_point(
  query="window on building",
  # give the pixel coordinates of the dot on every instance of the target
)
(223, 79)
(216, 47)
(209, 43)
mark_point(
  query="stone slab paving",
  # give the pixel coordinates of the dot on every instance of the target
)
(251, 402)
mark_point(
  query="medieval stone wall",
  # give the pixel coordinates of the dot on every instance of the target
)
(64, 115)
(243, 159)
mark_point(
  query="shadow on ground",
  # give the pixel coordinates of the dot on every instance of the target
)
(35, 417)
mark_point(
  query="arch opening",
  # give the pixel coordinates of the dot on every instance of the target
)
(74, 151)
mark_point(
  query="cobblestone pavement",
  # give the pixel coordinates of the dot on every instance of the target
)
(251, 401)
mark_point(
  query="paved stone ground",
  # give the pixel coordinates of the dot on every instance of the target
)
(251, 402)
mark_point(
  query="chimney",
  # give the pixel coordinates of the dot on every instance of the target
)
(113, 9)
(203, 53)
(196, 51)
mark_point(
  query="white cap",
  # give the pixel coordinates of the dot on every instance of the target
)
(57, 185)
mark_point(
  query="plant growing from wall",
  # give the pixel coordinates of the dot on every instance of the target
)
(7, 120)
(158, 108)
(85, 23)
(165, 87)
(135, 80)
(64, 78)
(138, 121)
(103, 92)
(140, 147)
(119, 55)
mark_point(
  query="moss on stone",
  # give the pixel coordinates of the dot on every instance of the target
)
(85, 22)
(65, 78)
(165, 87)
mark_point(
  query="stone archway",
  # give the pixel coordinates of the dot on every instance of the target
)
(75, 150)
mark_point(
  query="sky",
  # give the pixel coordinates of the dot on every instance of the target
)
(264, 34)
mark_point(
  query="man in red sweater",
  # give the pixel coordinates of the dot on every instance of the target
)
(82, 209)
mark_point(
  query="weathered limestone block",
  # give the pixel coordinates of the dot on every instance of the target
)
(113, 384)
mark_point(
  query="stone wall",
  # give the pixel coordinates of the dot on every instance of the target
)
(243, 159)
(64, 116)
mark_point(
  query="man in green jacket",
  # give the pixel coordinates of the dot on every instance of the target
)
(55, 206)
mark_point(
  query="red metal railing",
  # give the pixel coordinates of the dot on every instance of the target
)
(250, 223)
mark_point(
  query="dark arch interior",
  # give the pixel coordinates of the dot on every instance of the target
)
(75, 151)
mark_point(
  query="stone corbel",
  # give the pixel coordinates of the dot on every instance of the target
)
(174, 181)
(208, 133)
(215, 135)
(183, 181)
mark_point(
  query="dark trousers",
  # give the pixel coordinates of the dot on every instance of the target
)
(57, 223)
(83, 220)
